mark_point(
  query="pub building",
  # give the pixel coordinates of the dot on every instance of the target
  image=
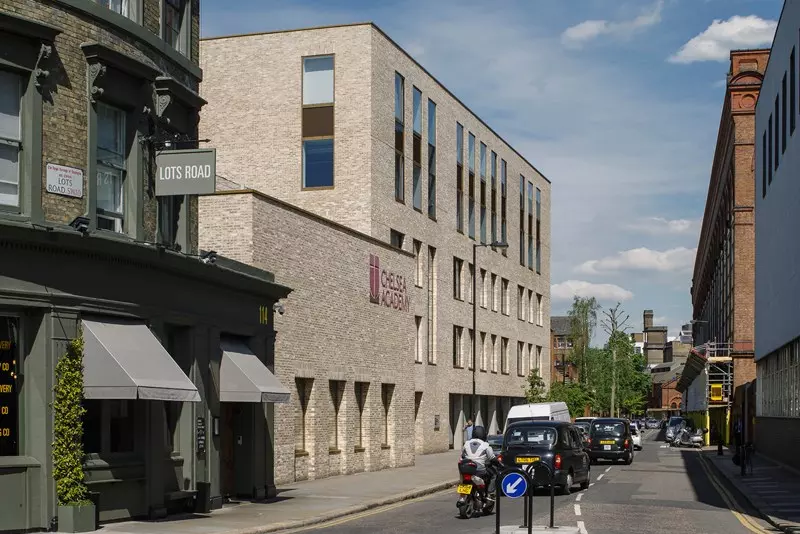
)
(178, 342)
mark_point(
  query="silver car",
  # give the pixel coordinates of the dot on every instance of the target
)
(673, 426)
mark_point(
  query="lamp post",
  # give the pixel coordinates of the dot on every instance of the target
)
(475, 273)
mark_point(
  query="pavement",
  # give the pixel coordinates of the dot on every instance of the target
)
(773, 489)
(310, 502)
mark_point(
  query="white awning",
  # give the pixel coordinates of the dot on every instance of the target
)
(244, 378)
(124, 360)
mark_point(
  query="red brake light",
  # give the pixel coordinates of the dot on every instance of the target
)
(467, 478)
(500, 458)
(589, 441)
(626, 443)
(557, 461)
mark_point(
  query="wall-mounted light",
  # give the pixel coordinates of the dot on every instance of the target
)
(81, 224)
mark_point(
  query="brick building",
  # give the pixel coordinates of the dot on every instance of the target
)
(723, 282)
(344, 124)
(560, 350)
(777, 253)
(651, 341)
(88, 93)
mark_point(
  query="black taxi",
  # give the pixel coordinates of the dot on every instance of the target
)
(610, 439)
(558, 445)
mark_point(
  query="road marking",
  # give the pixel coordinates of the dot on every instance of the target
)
(732, 504)
(579, 497)
(577, 509)
(592, 484)
(600, 476)
(582, 528)
(608, 469)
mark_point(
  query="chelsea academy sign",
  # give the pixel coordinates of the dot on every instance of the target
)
(385, 287)
(186, 172)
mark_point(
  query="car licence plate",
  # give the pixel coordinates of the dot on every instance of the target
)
(607, 442)
(464, 489)
(606, 447)
(527, 459)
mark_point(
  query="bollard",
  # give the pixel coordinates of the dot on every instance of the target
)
(719, 447)
(525, 506)
(529, 517)
(498, 492)
(552, 501)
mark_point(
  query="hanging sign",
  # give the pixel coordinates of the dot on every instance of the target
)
(186, 172)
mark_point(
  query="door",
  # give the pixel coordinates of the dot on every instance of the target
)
(226, 452)
(580, 458)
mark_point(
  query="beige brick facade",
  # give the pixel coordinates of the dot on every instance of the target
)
(257, 132)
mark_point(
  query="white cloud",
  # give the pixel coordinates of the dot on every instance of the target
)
(663, 226)
(716, 41)
(659, 320)
(569, 289)
(642, 259)
(575, 36)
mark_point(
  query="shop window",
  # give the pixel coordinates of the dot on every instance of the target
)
(387, 392)
(361, 426)
(9, 394)
(301, 427)
(109, 426)
(336, 388)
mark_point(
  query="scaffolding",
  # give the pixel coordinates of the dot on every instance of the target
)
(720, 373)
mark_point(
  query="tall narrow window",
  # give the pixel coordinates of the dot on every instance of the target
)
(362, 425)
(530, 226)
(111, 168)
(764, 165)
(418, 343)
(396, 239)
(10, 137)
(494, 353)
(531, 310)
(387, 392)
(399, 138)
(769, 151)
(336, 388)
(777, 145)
(458, 288)
(539, 310)
(417, 149)
(482, 348)
(432, 306)
(457, 348)
(503, 204)
(521, 220)
(504, 355)
(10, 382)
(459, 178)
(432, 159)
(493, 201)
(318, 104)
(471, 185)
(520, 358)
(483, 193)
(174, 30)
(504, 297)
(417, 263)
(493, 294)
(470, 352)
(482, 289)
(470, 281)
(538, 231)
(520, 303)
(304, 386)
(792, 92)
(783, 115)
(538, 357)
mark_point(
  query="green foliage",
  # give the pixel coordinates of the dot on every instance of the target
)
(576, 396)
(535, 388)
(583, 321)
(68, 427)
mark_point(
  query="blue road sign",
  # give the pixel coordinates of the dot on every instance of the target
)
(514, 485)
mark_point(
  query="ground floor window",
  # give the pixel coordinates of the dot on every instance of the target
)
(9, 393)
(304, 386)
(337, 392)
(361, 390)
(778, 382)
(109, 426)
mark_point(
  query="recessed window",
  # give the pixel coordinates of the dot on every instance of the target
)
(318, 80)
(493, 201)
(174, 29)
(504, 297)
(530, 225)
(111, 168)
(10, 137)
(777, 145)
(538, 231)
(318, 163)
(521, 220)
(764, 165)
(503, 204)
(783, 115)
(458, 290)
(418, 343)
(459, 178)
(520, 303)
(417, 111)
(417, 263)
(483, 193)
(399, 138)
(126, 8)
(396, 239)
(416, 183)
(431, 159)
(471, 186)
(539, 310)
(432, 307)
(769, 151)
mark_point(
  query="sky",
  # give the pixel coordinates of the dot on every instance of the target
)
(616, 102)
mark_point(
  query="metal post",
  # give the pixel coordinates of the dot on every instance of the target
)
(529, 515)
(498, 493)
(743, 444)
(474, 324)
(525, 506)
(552, 500)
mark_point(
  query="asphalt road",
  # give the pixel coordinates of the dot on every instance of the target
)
(664, 491)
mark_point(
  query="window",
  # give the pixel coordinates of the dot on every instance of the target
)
(10, 137)
(387, 392)
(304, 386)
(503, 204)
(111, 168)
(483, 351)
(494, 353)
(10, 365)
(520, 358)
(532, 358)
(123, 7)
(174, 30)
(399, 138)
(493, 294)
(432, 295)
(417, 150)
(457, 348)
(538, 357)
(458, 290)
(530, 225)
(336, 388)
(504, 355)
(783, 115)
(318, 122)
(538, 231)
(792, 93)
(539, 310)
(777, 132)
(493, 201)
(459, 178)
(362, 426)
(769, 152)
(521, 220)
(483, 193)
(764, 165)
(483, 289)
(504, 297)
(417, 263)
(471, 186)
(470, 281)
(418, 343)
(396, 239)
(531, 309)
(470, 352)
(431, 159)
(111, 425)
(520, 303)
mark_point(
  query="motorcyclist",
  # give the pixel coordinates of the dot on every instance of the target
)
(480, 452)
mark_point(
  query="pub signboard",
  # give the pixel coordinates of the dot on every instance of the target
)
(186, 172)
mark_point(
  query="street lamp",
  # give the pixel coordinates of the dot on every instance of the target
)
(475, 272)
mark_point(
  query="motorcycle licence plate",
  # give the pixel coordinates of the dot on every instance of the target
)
(606, 447)
(527, 459)
(464, 489)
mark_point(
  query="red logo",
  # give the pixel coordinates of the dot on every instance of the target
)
(374, 279)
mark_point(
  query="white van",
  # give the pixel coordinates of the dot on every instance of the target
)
(542, 411)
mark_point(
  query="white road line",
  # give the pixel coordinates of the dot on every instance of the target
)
(577, 509)
(600, 476)
(608, 469)
(579, 497)
(582, 528)
(592, 484)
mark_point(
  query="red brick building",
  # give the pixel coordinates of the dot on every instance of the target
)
(560, 348)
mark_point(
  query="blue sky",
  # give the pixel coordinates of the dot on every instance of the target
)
(617, 102)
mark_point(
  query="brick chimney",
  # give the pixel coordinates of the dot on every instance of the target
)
(648, 319)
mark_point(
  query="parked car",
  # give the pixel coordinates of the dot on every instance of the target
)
(556, 444)
(652, 423)
(611, 439)
(584, 427)
(495, 441)
(636, 436)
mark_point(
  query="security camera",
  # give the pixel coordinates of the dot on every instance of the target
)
(279, 308)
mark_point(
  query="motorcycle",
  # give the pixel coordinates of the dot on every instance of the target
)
(686, 438)
(475, 496)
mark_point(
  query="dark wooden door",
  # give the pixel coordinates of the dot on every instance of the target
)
(227, 447)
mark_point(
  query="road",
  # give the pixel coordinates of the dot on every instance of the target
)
(664, 491)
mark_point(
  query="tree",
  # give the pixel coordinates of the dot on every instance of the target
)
(535, 390)
(615, 325)
(574, 395)
(583, 320)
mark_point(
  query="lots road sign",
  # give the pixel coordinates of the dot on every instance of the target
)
(514, 485)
